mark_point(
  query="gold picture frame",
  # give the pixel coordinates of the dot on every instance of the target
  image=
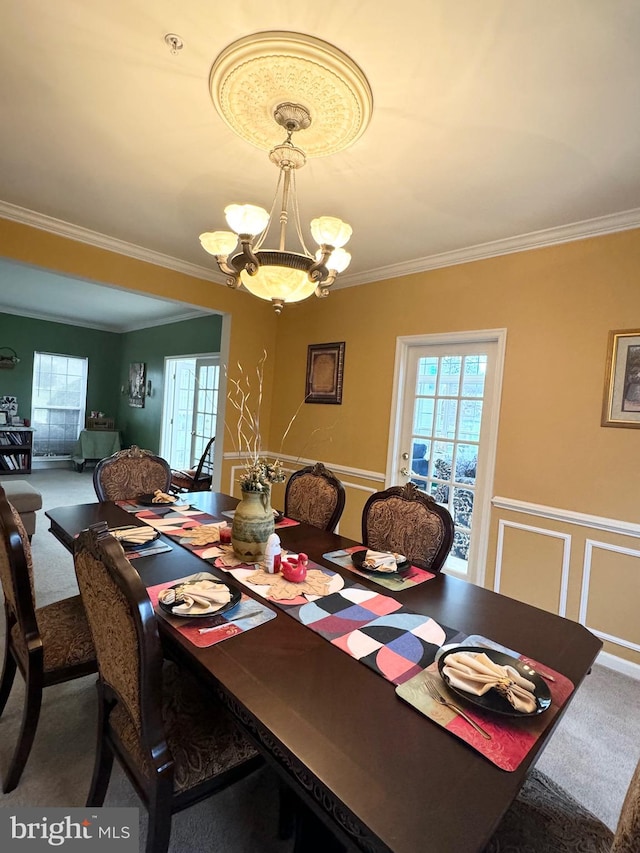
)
(621, 404)
(325, 370)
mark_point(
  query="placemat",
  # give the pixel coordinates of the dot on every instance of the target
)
(511, 737)
(412, 577)
(159, 548)
(247, 615)
(377, 630)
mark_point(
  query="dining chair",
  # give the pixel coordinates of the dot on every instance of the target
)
(408, 521)
(48, 644)
(197, 479)
(544, 818)
(129, 473)
(175, 741)
(315, 496)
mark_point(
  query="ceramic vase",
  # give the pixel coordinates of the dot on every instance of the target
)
(252, 525)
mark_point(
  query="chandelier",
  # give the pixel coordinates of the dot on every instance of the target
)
(277, 274)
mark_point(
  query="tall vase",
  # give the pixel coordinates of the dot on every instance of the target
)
(252, 524)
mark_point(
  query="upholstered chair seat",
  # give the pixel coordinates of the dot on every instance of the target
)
(203, 743)
(315, 496)
(544, 818)
(66, 639)
(48, 644)
(405, 520)
(175, 741)
(130, 473)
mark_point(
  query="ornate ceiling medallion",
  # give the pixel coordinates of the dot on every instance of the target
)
(255, 74)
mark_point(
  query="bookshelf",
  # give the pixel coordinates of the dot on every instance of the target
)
(15, 450)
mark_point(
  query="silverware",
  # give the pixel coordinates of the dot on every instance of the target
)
(529, 664)
(435, 694)
(226, 621)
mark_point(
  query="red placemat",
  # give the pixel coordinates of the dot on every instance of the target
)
(411, 577)
(249, 614)
(511, 737)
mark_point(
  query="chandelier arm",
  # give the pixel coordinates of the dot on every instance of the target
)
(252, 263)
(260, 240)
(296, 218)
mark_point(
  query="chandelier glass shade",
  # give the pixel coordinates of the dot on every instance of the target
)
(277, 274)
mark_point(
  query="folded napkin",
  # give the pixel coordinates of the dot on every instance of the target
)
(383, 561)
(476, 673)
(134, 535)
(196, 598)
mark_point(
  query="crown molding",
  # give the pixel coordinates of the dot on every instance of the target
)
(102, 241)
(103, 327)
(610, 224)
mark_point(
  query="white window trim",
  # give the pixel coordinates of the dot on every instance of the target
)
(404, 344)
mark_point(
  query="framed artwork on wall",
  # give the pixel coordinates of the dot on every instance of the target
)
(325, 368)
(621, 405)
(137, 384)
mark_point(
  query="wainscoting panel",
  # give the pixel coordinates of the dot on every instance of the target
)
(609, 567)
(581, 566)
(532, 565)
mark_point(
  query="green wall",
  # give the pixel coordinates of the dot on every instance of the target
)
(26, 336)
(109, 354)
(189, 337)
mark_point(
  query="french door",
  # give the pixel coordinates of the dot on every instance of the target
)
(190, 408)
(448, 393)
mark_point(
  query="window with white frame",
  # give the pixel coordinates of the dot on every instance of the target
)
(58, 403)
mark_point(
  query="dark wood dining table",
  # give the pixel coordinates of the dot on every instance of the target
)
(377, 772)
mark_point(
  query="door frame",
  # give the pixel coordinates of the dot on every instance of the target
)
(404, 344)
(225, 346)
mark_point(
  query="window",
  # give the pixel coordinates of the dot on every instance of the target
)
(58, 403)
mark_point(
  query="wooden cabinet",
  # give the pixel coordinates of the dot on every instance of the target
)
(15, 450)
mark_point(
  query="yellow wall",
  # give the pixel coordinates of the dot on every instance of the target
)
(557, 304)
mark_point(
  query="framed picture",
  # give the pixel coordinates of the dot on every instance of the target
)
(621, 406)
(325, 367)
(137, 384)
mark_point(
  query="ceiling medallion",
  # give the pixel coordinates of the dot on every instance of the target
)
(255, 74)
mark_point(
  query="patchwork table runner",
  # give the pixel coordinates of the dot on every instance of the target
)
(411, 577)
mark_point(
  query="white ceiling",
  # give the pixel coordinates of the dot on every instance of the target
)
(496, 125)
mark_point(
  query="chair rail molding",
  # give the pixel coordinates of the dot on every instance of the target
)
(583, 519)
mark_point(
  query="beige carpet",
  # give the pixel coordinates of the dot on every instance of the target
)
(592, 753)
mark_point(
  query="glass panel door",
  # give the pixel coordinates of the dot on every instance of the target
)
(446, 401)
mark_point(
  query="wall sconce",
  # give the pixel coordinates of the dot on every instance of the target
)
(149, 388)
(8, 361)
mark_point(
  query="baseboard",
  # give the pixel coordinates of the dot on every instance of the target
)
(626, 667)
(44, 464)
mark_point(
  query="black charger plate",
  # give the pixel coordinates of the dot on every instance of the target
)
(492, 700)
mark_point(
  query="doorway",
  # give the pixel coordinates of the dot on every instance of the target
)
(444, 432)
(190, 408)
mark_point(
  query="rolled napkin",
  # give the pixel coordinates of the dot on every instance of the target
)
(476, 673)
(383, 561)
(196, 598)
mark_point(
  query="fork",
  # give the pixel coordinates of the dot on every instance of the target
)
(435, 694)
